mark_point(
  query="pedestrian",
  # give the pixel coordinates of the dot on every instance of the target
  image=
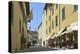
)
(29, 44)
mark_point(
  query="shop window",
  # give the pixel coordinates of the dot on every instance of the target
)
(75, 33)
(67, 38)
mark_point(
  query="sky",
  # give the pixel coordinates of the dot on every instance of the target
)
(37, 11)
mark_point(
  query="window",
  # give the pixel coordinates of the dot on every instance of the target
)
(46, 12)
(53, 10)
(56, 6)
(46, 31)
(46, 22)
(49, 18)
(75, 7)
(50, 10)
(63, 13)
(56, 21)
(50, 29)
(52, 24)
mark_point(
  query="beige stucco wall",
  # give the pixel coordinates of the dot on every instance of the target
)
(40, 35)
(16, 29)
(70, 17)
(56, 13)
(15, 33)
(44, 36)
(25, 30)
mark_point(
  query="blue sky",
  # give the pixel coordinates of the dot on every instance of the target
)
(37, 9)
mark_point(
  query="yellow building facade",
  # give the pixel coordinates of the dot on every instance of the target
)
(58, 17)
(40, 34)
(19, 15)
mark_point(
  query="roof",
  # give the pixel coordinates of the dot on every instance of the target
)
(32, 31)
(46, 5)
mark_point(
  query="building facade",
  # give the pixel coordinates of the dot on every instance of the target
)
(40, 34)
(58, 18)
(19, 16)
(32, 37)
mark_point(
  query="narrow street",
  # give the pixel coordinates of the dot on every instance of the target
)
(42, 27)
(32, 49)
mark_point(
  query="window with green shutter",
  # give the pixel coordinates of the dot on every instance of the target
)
(56, 20)
(63, 13)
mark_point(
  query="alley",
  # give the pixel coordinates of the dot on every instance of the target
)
(43, 27)
(36, 49)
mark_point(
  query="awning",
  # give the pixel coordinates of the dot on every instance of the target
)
(61, 30)
(58, 33)
(48, 37)
(53, 36)
(74, 26)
